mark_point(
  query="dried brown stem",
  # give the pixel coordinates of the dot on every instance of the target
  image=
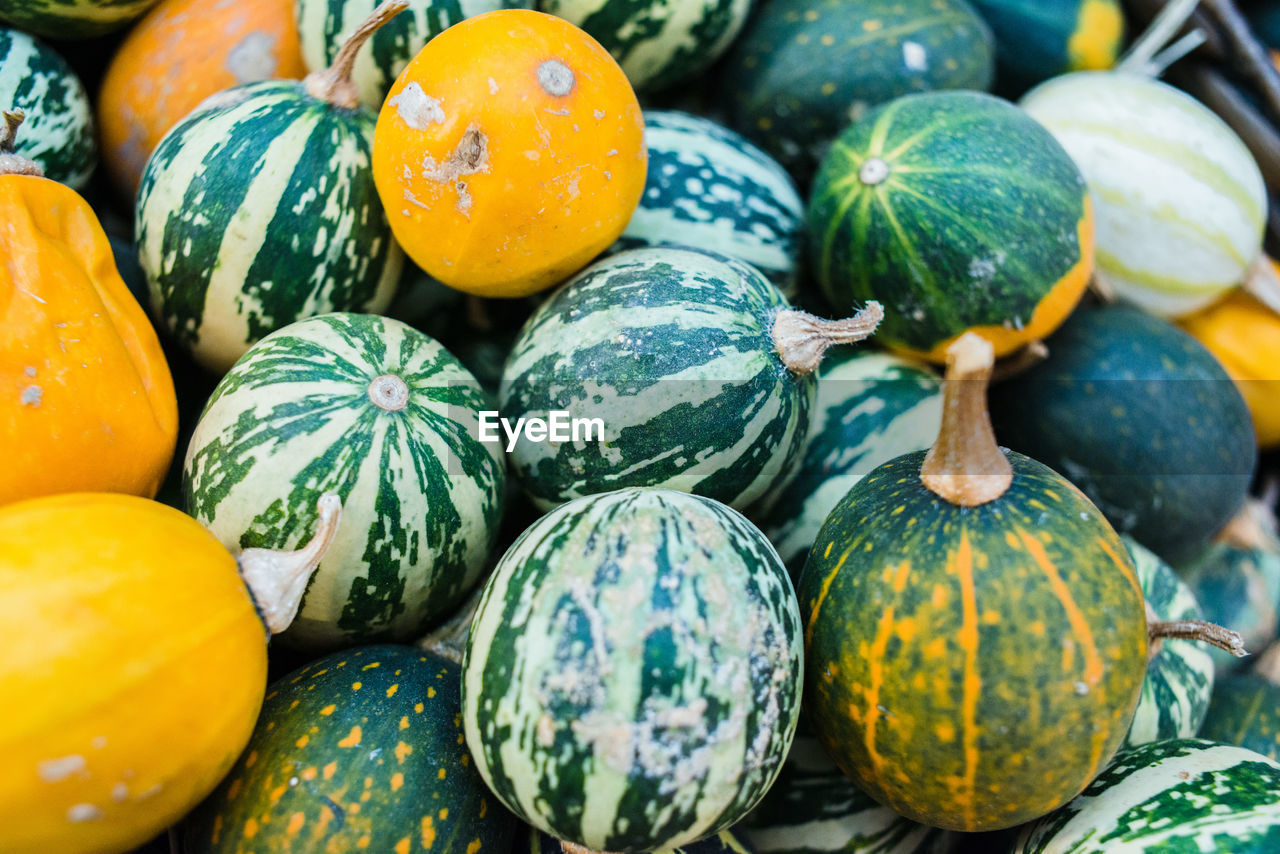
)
(11, 163)
(334, 84)
(800, 339)
(1020, 362)
(1197, 630)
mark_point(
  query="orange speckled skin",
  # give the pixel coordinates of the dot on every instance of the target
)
(544, 181)
(86, 398)
(134, 667)
(182, 52)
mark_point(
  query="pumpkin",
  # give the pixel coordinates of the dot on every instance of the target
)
(58, 130)
(89, 401)
(361, 749)
(258, 209)
(1181, 203)
(632, 678)
(1143, 419)
(802, 70)
(975, 634)
(959, 213)
(1245, 708)
(139, 653)
(1039, 39)
(694, 366)
(182, 52)
(71, 19)
(1244, 335)
(506, 171)
(386, 418)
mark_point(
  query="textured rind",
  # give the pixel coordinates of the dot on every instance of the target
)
(657, 42)
(971, 668)
(1186, 795)
(324, 25)
(671, 349)
(422, 497)
(1038, 39)
(633, 674)
(1238, 588)
(1179, 680)
(259, 209)
(710, 188)
(981, 220)
(1181, 203)
(57, 132)
(360, 750)
(71, 19)
(803, 69)
(1140, 416)
(724, 842)
(1245, 711)
(871, 407)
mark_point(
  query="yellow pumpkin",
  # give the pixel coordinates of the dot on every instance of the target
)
(134, 664)
(509, 153)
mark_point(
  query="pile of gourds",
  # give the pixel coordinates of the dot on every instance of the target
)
(604, 426)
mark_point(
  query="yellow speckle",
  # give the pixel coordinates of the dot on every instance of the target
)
(397, 780)
(460, 738)
(811, 15)
(418, 708)
(939, 597)
(484, 807)
(764, 123)
(803, 38)
(217, 828)
(402, 750)
(444, 813)
(466, 760)
(371, 666)
(250, 828)
(277, 793)
(828, 39)
(352, 739)
(309, 774)
(362, 842)
(368, 782)
(872, 24)
(402, 847)
(295, 823)
(251, 758)
(473, 847)
(830, 546)
(936, 648)
(404, 722)
(428, 832)
(330, 770)
(365, 796)
(391, 692)
(356, 686)
(431, 692)
(441, 774)
(302, 742)
(1036, 628)
(328, 710)
(946, 732)
(828, 88)
(353, 809)
(294, 705)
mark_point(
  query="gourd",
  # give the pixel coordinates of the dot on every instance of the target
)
(361, 749)
(1143, 419)
(137, 646)
(89, 401)
(697, 369)
(802, 70)
(58, 130)
(1039, 39)
(504, 172)
(658, 43)
(1245, 708)
(182, 52)
(975, 634)
(632, 678)
(323, 25)
(386, 418)
(959, 213)
(258, 209)
(724, 842)
(71, 19)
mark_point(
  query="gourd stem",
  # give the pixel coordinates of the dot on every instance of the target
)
(1263, 283)
(277, 579)
(1020, 362)
(574, 848)
(1253, 528)
(1160, 63)
(1199, 630)
(449, 639)
(965, 466)
(334, 84)
(800, 339)
(11, 163)
(1138, 59)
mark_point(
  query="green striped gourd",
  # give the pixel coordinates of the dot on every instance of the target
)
(958, 212)
(323, 26)
(657, 42)
(71, 19)
(975, 636)
(871, 407)
(632, 679)
(57, 132)
(709, 187)
(359, 750)
(1179, 680)
(683, 358)
(1039, 39)
(1245, 708)
(259, 209)
(724, 842)
(1186, 795)
(381, 414)
(803, 69)
(1180, 201)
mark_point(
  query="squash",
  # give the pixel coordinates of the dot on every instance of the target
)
(258, 209)
(89, 401)
(182, 52)
(695, 367)
(975, 634)
(957, 212)
(803, 69)
(1039, 39)
(1245, 708)
(58, 130)
(361, 749)
(632, 678)
(139, 655)
(724, 842)
(71, 19)
(504, 172)
(386, 418)
(1143, 419)
(1244, 335)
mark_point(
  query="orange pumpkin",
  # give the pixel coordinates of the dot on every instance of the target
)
(86, 398)
(178, 55)
(509, 153)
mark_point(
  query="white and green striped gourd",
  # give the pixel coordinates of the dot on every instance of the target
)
(379, 413)
(71, 19)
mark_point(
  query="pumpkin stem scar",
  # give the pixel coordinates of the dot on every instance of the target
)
(389, 392)
(334, 84)
(277, 579)
(555, 78)
(965, 466)
(874, 171)
(1198, 630)
(1020, 362)
(10, 163)
(800, 339)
